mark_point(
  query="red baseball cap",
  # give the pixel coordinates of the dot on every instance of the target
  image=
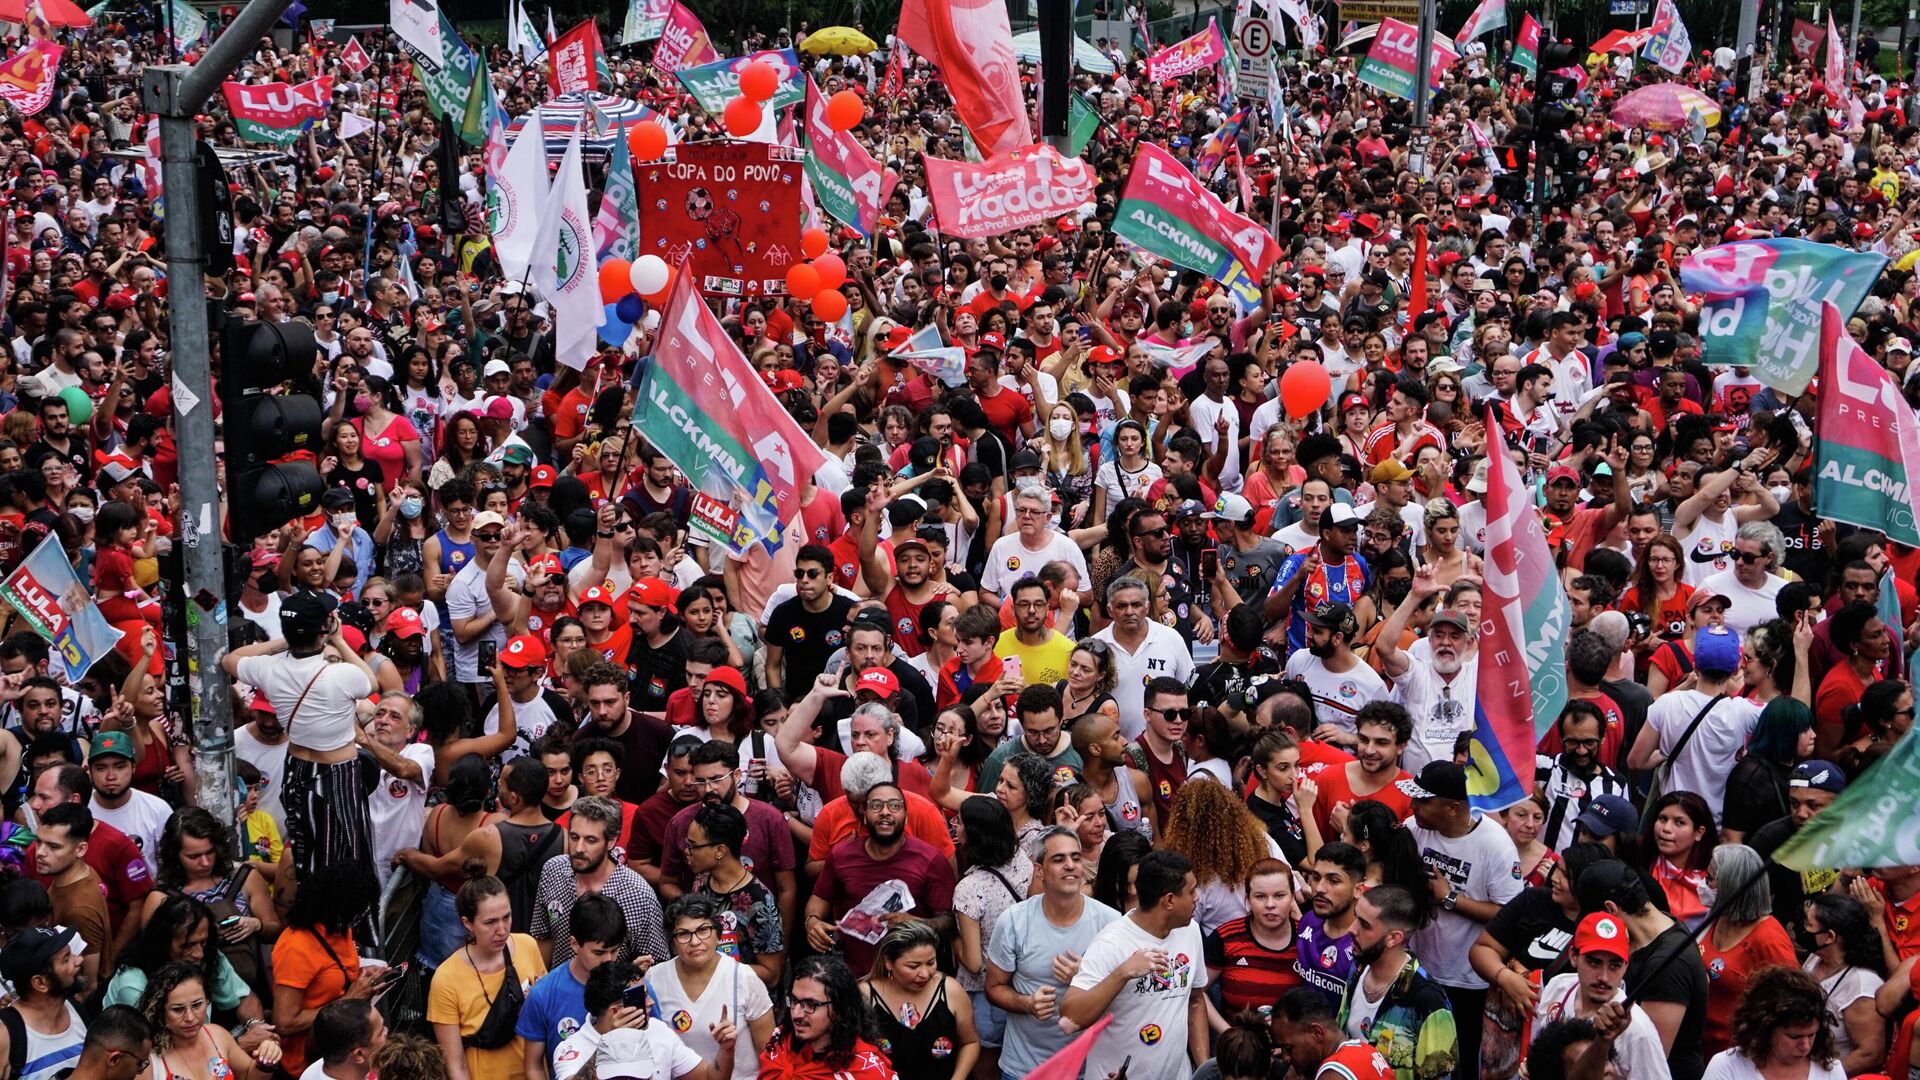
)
(1103, 354)
(545, 564)
(879, 680)
(405, 622)
(653, 592)
(595, 595)
(1601, 932)
(524, 651)
(1562, 472)
(992, 341)
(543, 476)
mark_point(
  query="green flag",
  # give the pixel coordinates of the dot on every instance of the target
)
(1082, 122)
(479, 106)
(1870, 824)
(447, 88)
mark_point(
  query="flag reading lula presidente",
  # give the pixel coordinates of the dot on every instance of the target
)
(49, 596)
(1167, 212)
(1521, 649)
(1870, 824)
(1761, 302)
(712, 416)
(1868, 446)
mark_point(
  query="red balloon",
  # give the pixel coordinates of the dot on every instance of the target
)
(832, 271)
(845, 110)
(829, 305)
(813, 243)
(647, 140)
(614, 280)
(1304, 388)
(803, 281)
(742, 117)
(759, 81)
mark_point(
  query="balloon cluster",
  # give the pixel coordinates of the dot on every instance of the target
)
(623, 285)
(820, 278)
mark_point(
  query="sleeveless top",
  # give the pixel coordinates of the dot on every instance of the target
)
(1126, 814)
(453, 556)
(524, 849)
(925, 1049)
(49, 1055)
(404, 554)
(217, 1065)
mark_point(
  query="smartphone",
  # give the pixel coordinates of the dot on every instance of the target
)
(230, 922)
(635, 996)
(1209, 562)
(1121, 1073)
(489, 653)
(1011, 668)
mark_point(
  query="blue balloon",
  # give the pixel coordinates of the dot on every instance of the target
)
(615, 330)
(630, 308)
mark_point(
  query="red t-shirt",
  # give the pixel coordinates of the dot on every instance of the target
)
(1008, 413)
(1610, 740)
(826, 776)
(1336, 788)
(387, 447)
(1670, 618)
(846, 558)
(1355, 1061)
(1764, 946)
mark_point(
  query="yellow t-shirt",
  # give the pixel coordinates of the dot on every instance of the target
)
(461, 996)
(263, 837)
(1038, 664)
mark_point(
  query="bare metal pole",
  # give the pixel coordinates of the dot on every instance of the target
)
(177, 92)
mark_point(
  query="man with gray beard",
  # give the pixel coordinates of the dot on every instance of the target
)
(1440, 695)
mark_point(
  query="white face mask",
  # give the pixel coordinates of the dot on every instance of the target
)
(1060, 429)
(81, 514)
(341, 521)
(1782, 493)
(1029, 483)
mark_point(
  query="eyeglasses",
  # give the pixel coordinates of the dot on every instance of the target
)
(713, 783)
(1749, 557)
(806, 1005)
(1094, 646)
(893, 806)
(808, 573)
(1587, 744)
(688, 937)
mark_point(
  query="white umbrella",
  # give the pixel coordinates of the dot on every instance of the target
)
(1026, 47)
(1360, 36)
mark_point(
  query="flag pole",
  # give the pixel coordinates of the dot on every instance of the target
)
(379, 106)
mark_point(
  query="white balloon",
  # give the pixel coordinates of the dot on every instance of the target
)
(649, 274)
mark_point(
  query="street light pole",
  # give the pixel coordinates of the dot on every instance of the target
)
(1422, 88)
(177, 93)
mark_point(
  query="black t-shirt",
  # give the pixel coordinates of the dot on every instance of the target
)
(1283, 824)
(1683, 981)
(1533, 929)
(1806, 554)
(1214, 682)
(643, 749)
(362, 482)
(806, 639)
(656, 671)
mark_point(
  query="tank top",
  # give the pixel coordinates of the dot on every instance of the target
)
(1126, 812)
(49, 1055)
(523, 850)
(1165, 776)
(453, 556)
(1709, 547)
(217, 1065)
(925, 1049)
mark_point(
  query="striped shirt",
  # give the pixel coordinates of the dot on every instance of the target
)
(1250, 974)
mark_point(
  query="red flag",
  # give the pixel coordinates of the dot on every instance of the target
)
(895, 80)
(971, 42)
(26, 80)
(1066, 1064)
(1417, 285)
(575, 56)
(353, 56)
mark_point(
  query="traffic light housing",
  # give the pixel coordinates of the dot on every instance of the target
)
(271, 438)
(1552, 115)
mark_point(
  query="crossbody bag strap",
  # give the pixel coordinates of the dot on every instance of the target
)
(1687, 736)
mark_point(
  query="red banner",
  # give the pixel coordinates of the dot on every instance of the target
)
(353, 56)
(729, 212)
(1009, 192)
(971, 42)
(26, 81)
(1197, 53)
(574, 57)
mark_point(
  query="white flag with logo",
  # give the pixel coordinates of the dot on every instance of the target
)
(418, 24)
(514, 205)
(567, 277)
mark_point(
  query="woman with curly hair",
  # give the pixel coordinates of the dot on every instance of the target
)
(1779, 1032)
(1091, 678)
(180, 930)
(1024, 787)
(1213, 828)
(189, 1046)
(195, 859)
(822, 1030)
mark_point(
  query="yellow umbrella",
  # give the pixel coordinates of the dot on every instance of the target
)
(840, 41)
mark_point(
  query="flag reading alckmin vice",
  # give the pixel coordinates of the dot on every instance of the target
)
(1868, 450)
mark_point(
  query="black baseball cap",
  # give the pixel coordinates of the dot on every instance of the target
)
(1438, 780)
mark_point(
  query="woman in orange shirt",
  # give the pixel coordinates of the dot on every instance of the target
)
(1745, 939)
(316, 960)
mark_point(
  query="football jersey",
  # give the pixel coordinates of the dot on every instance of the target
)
(1344, 581)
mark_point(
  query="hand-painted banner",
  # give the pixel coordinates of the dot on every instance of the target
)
(47, 593)
(1868, 453)
(702, 404)
(1168, 213)
(27, 79)
(715, 84)
(683, 41)
(278, 113)
(1009, 192)
(1761, 302)
(727, 213)
(971, 42)
(1182, 58)
(848, 182)
(1523, 626)
(1526, 46)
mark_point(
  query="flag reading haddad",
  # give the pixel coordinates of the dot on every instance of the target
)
(1183, 58)
(1869, 450)
(683, 41)
(575, 60)
(1760, 302)
(1011, 191)
(715, 84)
(27, 78)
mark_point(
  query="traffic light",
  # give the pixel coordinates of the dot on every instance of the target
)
(269, 482)
(1552, 116)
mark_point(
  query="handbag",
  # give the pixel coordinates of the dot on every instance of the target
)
(1663, 772)
(503, 1011)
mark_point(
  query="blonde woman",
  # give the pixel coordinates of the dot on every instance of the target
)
(1068, 472)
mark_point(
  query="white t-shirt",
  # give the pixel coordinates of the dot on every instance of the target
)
(398, 808)
(143, 818)
(671, 1057)
(272, 763)
(1749, 607)
(1205, 413)
(1296, 537)
(1010, 560)
(1708, 758)
(1150, 1012)
(1164, 652)
(1337, 695)
(1483, 865)
(531, 720)
(1638, 1051)
(466, 598)
(267, 619)
(734, 986)
(313, 696)
(1733, 1065)
(1411, 515)
(1440, 709)
(1709, 548)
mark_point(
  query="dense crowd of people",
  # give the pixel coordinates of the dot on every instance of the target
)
(1089, 692)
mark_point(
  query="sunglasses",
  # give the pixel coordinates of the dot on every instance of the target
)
(490, 536)
(808, 573)
(1749, 557)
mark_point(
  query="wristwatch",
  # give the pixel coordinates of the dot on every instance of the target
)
(1450, 900)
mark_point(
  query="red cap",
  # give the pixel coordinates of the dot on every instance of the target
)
(730, 678)
(356, 640)
(595, 595)
(1562, 472)
(1354, 401)
(261, 704)
(1464, 202)
(1604, 933)
(1103, 354)
(653, 592)
(405, 622)
(897, 337)
(993, 341)
(548, 564)
(879, 680)
(1313, 271)
(543, 476)
(524, 651)
(784, 380)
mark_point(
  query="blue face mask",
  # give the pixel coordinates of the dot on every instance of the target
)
(410, 508)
